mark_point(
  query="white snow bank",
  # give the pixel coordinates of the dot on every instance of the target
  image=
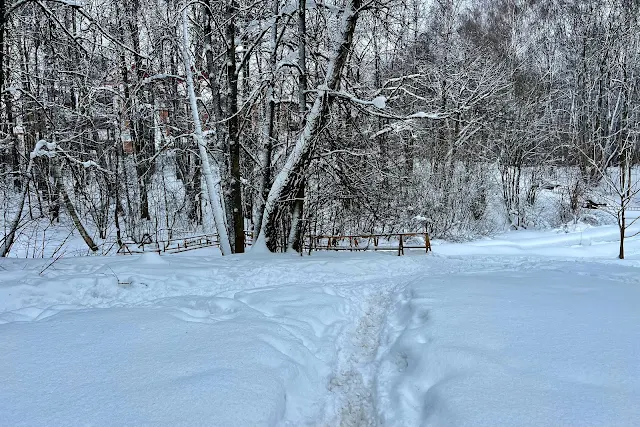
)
(594, 242)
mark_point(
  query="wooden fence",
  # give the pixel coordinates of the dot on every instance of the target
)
(366, 242)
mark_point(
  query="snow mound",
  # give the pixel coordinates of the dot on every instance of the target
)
(151, 258)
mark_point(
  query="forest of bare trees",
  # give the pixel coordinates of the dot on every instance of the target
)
(276, 119)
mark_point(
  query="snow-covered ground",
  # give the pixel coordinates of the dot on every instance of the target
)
(527, 329)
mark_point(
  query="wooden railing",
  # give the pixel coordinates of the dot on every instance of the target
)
(175, 245)
(366, 242)
(396, 242)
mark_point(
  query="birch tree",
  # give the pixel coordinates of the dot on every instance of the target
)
(209, 171)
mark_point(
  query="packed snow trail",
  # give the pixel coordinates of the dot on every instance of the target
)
(328, 340)
(353, 396)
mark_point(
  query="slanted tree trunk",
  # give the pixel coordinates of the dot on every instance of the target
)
(62, 190)
(218, 115)
(210, 172)
(288, 179)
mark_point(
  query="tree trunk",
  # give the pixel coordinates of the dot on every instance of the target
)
(237, 227)
(15, 224)
(140, 131)
(62, 190)
(297, 224)
(622, 225)
(288, 179)
(269, 118)
(295, 241)
(218, 115)
(210, 172)
(3, 21)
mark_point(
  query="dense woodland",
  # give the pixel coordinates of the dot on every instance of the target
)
(284, 118)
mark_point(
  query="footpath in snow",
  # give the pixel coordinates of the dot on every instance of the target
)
(469, 336)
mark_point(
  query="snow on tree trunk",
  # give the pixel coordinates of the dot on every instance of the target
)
(288, 179)
(62, 190)
(209, 171)
(45, 149)
(269, 118)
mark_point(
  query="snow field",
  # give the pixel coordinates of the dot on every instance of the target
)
(535, 344)
(188, 340)
(527, 329)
